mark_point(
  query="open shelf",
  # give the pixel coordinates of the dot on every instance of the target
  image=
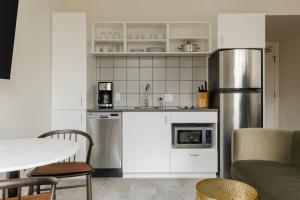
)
(121, 37)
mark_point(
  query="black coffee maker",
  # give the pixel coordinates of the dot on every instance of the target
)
(105, 95)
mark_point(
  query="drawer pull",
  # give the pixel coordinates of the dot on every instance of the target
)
(194, 155)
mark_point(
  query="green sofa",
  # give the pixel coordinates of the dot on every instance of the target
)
(269, 160)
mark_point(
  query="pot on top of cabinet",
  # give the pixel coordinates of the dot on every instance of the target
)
(189, 47)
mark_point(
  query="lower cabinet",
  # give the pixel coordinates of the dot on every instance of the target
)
(148, 152)
(194, 161)
(146, 142)
(71, 119)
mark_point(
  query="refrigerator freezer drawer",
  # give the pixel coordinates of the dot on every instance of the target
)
(240, 68)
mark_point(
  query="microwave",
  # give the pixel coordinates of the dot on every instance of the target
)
(192, 135)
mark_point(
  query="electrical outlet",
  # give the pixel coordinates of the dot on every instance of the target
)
(169, 98)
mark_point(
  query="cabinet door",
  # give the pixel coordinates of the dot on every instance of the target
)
(194, 160)
(69, 61)
(71, 120)
(146, 142)
(241, 31)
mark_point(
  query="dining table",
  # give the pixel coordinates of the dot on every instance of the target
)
(27, 153)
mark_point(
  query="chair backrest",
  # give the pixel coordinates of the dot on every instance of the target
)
(29, 182)
(71, 135)
(261, 144)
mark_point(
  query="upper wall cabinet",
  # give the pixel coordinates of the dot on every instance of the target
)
(150, 38)
(69, 61)
(240, 31)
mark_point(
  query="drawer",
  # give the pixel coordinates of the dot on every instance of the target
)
(193, 161)
(194, 117)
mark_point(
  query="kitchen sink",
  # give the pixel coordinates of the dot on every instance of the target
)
(149, 107)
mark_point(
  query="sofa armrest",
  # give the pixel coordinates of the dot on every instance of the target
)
(261, 144)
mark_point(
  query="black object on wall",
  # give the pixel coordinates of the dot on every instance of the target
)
(8, 18)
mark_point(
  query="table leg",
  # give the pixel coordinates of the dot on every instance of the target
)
(13, 175)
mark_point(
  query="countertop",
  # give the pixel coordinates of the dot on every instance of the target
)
(168, 109)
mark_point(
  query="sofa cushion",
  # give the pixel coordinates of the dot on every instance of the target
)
(272, 180)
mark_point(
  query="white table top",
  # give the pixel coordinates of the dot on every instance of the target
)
(19, 154)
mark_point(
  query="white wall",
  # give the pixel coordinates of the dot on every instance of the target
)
(25, 99)
(177, 9)
(289, 94)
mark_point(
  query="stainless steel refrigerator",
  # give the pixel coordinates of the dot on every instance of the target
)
(235, 88)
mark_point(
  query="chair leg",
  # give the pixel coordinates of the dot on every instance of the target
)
(30, 190)
(89, 187)
(38, 189)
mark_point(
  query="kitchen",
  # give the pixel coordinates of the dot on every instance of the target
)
(173, 76)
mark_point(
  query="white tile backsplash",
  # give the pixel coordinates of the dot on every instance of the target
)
(186, 74)
(120, 86)
(173, 62)
(186, 62)
(133, 87)
(107, 62)
(186, 86)
(133, 74)
(199, 74)
(159, 87)
(146, 62)
(175, 101)
(105, 74)
(179, 76)
(172, 74)
(120, 74)
(133, 100)
(133, 62)
(159, 74)
(146, 74)
(159, 62)
(186, 100)
(122, 101)
(199, 61)
(120, 61)
(172, 86)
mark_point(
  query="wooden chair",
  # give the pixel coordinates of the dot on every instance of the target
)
(29, 182)
(70, 167)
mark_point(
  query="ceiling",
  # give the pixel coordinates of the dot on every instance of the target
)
(282, 27)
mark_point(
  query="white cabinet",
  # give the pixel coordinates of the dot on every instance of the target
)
(71, 120)
(146, 142)
(134, 38)
(69, 65)
(240, 31)
(194, 161)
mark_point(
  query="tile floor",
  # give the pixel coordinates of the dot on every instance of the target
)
(135, 189)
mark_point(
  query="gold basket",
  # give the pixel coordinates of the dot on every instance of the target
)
(224, 189)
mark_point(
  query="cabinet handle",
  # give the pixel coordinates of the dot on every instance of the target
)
(166, 120)
(222, 39)
(81, 118)
(194, 155)
(81, 102)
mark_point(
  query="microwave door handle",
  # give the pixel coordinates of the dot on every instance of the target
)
(194, 155)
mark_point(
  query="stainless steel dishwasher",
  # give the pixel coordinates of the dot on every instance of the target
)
(106, 131)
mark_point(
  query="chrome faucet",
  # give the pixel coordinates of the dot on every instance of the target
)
(147, 91)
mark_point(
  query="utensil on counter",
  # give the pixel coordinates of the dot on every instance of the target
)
(189, 47)
(155, 49)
